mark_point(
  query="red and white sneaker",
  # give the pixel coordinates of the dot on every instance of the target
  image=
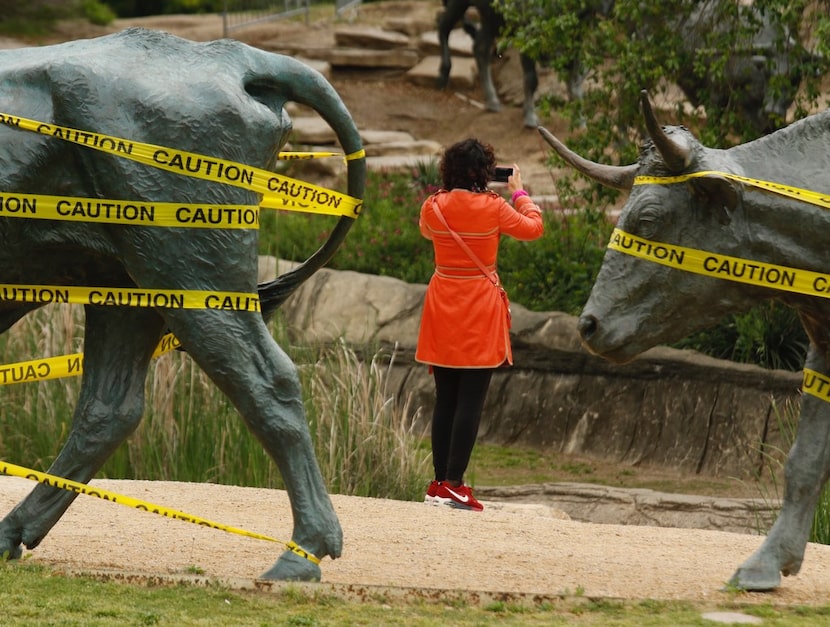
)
(460, 497)
(432, 493)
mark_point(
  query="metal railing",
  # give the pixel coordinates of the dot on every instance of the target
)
(342, 6)
(238, 14)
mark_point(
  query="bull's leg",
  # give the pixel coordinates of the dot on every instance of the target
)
(453, 11)
(806, 471)
(446, 60)
(483, 51)
(576, 86)
(117, 349)
(531, 83)
(241, 357)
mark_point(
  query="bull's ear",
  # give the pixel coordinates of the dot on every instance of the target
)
(718, 193)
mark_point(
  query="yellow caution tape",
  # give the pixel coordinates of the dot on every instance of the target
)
(64, 366)
(758, 273)
(130, 297)
(293, 194)
(294, 156)
(42, 369)
(805, 195)
(81, 488)
(278, 193)
(733, 269)
(302, 156)
(816, 384)
(144, 213)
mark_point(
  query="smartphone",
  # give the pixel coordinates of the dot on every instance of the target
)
(502, 174)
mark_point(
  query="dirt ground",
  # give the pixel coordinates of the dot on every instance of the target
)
(404, 548)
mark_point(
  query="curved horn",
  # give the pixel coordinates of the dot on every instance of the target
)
(676, 157)
(616, 176)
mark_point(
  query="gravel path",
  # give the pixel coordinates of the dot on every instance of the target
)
(409, 548)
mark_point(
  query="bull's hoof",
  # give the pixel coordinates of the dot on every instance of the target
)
(531, 121)
(292, 567)
(755, 579)
(11, 551)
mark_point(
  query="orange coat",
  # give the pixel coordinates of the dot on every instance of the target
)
(464, 323)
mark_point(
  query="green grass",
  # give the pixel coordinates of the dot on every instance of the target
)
(493, 465)
(34, 595)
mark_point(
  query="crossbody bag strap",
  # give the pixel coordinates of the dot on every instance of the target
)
(490, 275)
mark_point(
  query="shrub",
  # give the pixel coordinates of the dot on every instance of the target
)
(34, 17)
(556, 272)
(98, 13)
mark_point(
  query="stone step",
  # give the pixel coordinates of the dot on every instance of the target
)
(397, 58)
(369, 38)
(463, 72)
(416, 147)
(397, 162)
(460, 43)
(640, 506)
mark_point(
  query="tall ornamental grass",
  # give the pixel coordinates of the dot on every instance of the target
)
(366, 441)
(35, 417)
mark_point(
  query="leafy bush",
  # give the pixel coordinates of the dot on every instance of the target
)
(35, 17)
(556, 272)
(98, 12)
(769, 335)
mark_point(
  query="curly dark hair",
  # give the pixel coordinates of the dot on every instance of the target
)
(468, 164)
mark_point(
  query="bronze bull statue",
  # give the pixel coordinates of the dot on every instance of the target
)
(484, 39)
(706, 233)
(222, 100)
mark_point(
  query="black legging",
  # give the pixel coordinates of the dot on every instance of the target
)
(459, 400)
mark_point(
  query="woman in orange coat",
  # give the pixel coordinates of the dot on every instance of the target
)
(464, 334)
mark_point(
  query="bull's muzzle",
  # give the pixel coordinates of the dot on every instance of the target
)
(586, 326)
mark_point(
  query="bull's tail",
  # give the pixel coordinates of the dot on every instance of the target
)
(309, 87)
(274, 293)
